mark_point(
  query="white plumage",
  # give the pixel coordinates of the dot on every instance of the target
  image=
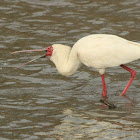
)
(99, 51)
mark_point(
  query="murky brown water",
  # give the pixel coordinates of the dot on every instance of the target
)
(38, 103)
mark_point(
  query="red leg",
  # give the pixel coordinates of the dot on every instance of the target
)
(133, 75)
(104, 93)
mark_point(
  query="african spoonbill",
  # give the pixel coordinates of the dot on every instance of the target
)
(99, 51)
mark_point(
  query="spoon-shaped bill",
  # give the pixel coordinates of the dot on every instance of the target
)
(38, 50)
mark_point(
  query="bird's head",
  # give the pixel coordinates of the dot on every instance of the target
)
(55, 52)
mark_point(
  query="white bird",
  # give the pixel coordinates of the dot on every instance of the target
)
(99, 51)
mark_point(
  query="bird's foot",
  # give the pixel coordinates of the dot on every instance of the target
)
(106, 102)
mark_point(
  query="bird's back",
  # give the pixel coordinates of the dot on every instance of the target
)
(102, 50)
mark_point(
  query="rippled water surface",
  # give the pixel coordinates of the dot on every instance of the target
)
(38, 103)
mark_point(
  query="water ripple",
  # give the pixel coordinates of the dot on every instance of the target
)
(36, 102)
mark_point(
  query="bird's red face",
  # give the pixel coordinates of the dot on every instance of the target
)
(49, 51)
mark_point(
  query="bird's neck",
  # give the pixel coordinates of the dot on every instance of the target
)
(67, 62)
